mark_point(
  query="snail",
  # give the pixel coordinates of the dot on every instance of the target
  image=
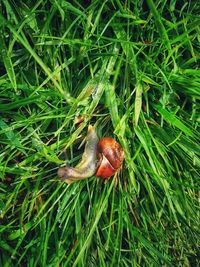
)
(102, 158)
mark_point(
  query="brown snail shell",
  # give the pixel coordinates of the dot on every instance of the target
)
(110, 155)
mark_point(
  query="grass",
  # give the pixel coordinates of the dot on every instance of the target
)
(131, 69)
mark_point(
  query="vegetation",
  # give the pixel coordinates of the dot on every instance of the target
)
(131, 69)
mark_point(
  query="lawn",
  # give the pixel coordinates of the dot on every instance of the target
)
(130, 69)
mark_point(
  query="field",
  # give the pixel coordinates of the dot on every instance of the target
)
(130, 69)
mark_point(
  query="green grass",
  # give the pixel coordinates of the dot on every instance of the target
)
(131, 69)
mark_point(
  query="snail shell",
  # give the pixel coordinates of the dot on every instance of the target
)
(110, 155)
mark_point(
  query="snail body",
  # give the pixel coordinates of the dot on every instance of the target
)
(101, 158)
(87, 166)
